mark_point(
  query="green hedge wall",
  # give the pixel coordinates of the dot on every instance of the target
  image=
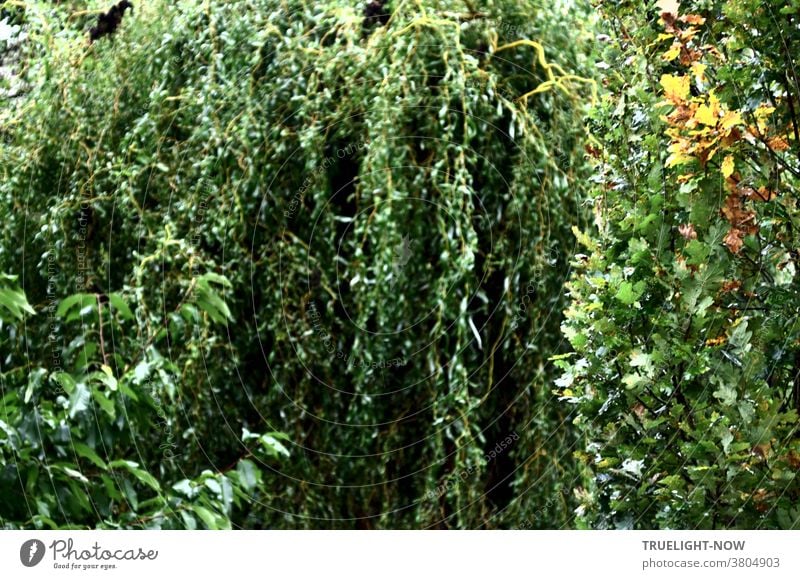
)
(685, 370)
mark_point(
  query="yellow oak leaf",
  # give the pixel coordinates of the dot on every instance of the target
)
(762, 114)
(705, 114)
(676, 88)
(730, 120)
(678, 159)
(713, 100)
(763, 111)
(699, 72)
(672, 53)
(727, 166)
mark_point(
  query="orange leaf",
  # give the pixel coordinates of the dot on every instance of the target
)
(689, 56)
(733, 136)
(731, 286)
(669, 22)
(713, 50)
(778, 144)
(763, 194)
(734, 240)
(688, 35)
(679, 115)
(693, 19)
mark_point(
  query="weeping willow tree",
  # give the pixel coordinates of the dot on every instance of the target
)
(317, 247)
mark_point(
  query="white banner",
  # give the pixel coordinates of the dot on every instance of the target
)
(407, 554)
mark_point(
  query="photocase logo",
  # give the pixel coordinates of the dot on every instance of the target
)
(402, 255)
(31, 553)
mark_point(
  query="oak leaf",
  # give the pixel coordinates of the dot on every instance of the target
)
(693, 19)
(733, 240)
(676, 88)
(727, 166)
(778, 144)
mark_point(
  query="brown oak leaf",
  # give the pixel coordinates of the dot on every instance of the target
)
(733, 240)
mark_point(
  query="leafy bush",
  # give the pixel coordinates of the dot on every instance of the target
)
(686, 362)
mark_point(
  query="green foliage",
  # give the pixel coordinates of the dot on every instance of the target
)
(239, 222)
(13, 303)
(684, 313)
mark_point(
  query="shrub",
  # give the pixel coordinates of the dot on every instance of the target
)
(683, 321)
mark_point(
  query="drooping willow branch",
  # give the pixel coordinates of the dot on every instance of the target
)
(553, 81)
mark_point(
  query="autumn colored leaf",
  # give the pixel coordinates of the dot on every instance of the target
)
(727, 166)
(713, 50)
(735, 213)
(705, 114)
(592, 150)
(733, 240)
(730, 120)
(732, 182)
(705, 150)
(680, 115)
(678, 159)
(731, 137)
(676, 88)
(762, 450)
(673, 52)
(731, 286)
(762, 194)
(778, 144)
(762, 114)
(693, 19)
(699, 72)
(688, 34)
(669, 22)
(689, 56)
(687, 231)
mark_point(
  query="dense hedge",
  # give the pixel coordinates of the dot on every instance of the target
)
(684, 317)
(290, 269)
